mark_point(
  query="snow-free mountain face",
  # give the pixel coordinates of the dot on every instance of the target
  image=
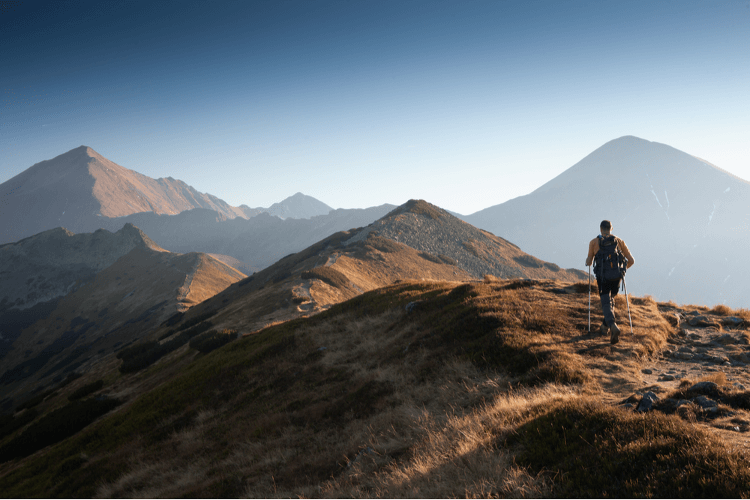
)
(49, 264)
(685, 221)
(415, 241)
(258, 241)
(74, 189)
(70, 299)
(297, 206)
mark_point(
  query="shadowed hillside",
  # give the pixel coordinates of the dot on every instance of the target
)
(415, 241)
(418, 389)
(75, 298)
(258, 242)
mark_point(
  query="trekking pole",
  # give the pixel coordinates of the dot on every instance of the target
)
(589, 299)
(628, 302)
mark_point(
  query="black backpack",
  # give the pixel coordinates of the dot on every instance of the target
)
(609, 261)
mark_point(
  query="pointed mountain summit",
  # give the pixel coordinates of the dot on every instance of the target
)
(75, 188)
(415, 241)
(684, 219)
(428, 228)
(297, 206)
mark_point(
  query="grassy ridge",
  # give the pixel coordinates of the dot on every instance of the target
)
(608, 452)
(407, 372)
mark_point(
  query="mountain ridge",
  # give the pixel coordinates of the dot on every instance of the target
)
(82, 190)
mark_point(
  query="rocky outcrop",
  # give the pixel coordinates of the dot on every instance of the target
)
(50, 264)
(432, 230)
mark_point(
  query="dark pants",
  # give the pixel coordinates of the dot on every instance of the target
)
(607, 292)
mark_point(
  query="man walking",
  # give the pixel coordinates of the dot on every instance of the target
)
(609, 253)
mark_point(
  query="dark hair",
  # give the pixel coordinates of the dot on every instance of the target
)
(605, 225)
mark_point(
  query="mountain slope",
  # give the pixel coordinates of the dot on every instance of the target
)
(47, 265)
(417, 389)
(258, 242)
(685, 221)
(299, 206)
(77, 187)
(89, 293)
(414, 241)
(428, 228)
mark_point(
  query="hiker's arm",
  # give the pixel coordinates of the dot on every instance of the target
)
(627, 254)
(592, 252)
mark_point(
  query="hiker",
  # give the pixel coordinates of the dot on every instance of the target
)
(608, 253)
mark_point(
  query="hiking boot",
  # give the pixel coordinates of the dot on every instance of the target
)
(604, 329)
(615, 337)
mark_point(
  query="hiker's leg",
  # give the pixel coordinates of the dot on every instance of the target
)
(615, 288)
(607, 301)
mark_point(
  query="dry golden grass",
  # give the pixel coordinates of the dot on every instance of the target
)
(376, 399)
(457, 456)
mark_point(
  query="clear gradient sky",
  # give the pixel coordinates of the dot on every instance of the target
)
(463, 103)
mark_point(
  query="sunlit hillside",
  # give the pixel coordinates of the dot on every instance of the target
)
(426, 389)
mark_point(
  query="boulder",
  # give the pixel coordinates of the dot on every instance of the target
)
(709, 388)
(647, 402)
(732, 321)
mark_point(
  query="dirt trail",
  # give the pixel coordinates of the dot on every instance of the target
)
(706, 344)
(688, 361)
(304, 291)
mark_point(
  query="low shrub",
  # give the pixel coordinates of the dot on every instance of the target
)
(34, 401)
(137, 358)
(470, 246)
(174, 319)
(592, 450)
(56, 426)
(552, 266)
(447, 260)
(70, 378)
(383, 244)
(136, 350)
(529, 261)
(194, 321)
(212, 340)
(87, 389)
(721, 310)
(430, 257)
(10, 424)
(327, 275)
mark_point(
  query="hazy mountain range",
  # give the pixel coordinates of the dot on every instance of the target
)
(82, 191)
(94, 292)
(359, 330)
(69, 299)
(687, 222)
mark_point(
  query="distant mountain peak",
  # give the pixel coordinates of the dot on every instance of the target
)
(419, 207)
(75, 188)
(298, 206)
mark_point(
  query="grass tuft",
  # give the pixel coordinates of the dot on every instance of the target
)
(591, 450)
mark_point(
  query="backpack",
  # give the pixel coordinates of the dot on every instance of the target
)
(609, 261)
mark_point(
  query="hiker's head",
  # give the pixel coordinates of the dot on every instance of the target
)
(605, 227)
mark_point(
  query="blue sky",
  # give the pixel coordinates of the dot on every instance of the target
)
(465, 104)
